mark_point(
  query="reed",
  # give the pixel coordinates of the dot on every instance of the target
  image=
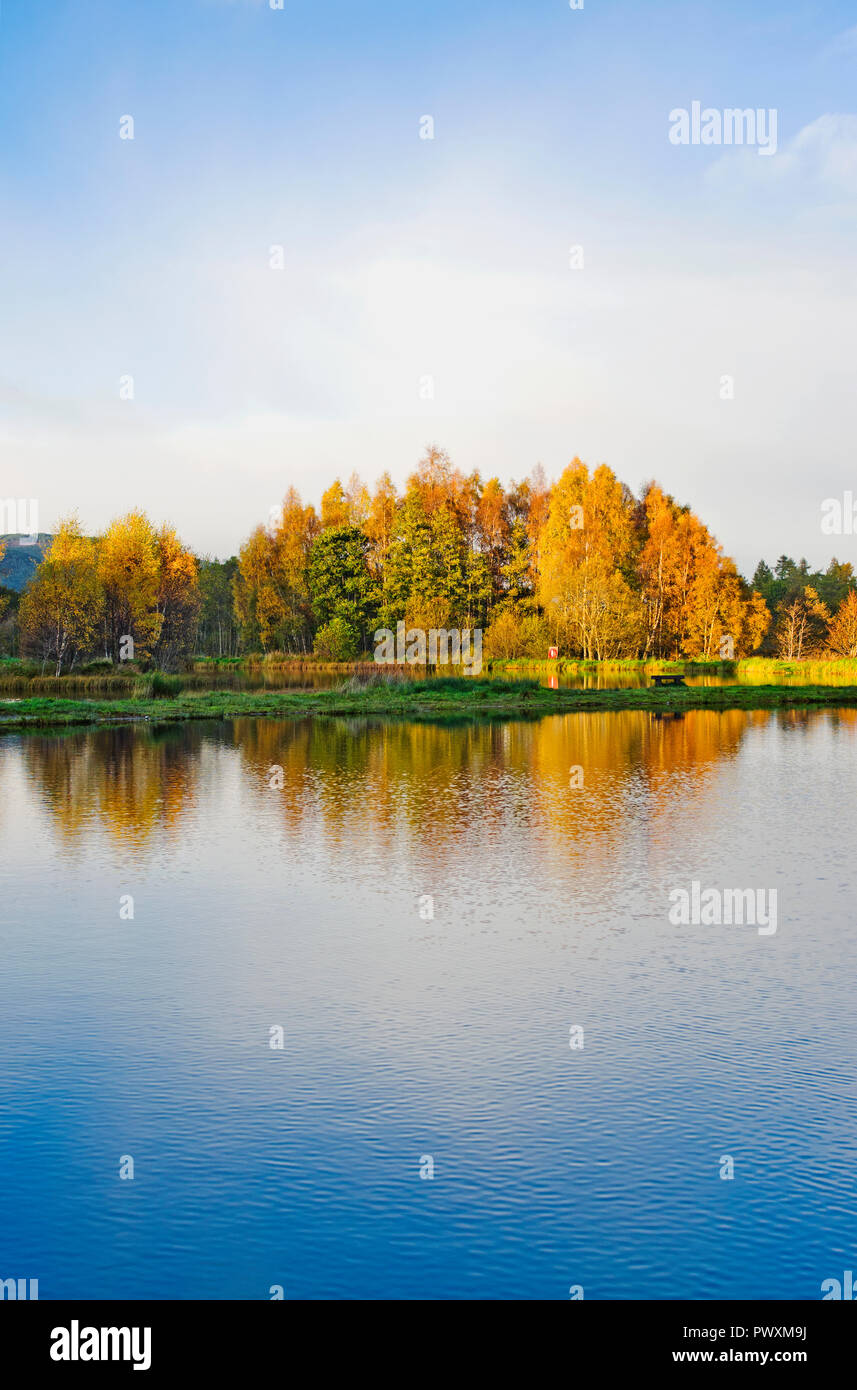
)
(20, 685)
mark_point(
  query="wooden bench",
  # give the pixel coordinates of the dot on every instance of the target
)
(668, 680)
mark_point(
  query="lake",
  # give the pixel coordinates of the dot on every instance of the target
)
(401, 1012)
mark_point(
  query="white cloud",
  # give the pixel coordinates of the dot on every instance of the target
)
(826, 152)
(843, 45)
(821, 160)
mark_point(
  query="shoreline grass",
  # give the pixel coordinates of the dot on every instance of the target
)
(815, 670)
(441, 699)
(25, 680)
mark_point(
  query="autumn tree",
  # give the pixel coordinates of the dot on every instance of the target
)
(662, 570)
(4, 598)
(334, 506)
(581, 562)
(588, 546)
(802, 625)
(358, 501)
(503, 638)
(60, 612)
(842, 632)
(178, 599)
(757, 623)
(259, 609)
(696, 604)
(345, 506)
(380, 523)
(537, 511)
(492, 535)
(129, 572)
(272, 598)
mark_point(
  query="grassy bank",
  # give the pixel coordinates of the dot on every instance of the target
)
(442, 699)
(277, 661)
(27, 678)
(19, 679)
(761, 670)
(24, 680)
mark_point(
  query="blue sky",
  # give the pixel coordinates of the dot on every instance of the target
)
(406, 258)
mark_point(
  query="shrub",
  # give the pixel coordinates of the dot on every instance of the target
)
(101, 666)
(166, 687)
(336, 641)
(503, 638)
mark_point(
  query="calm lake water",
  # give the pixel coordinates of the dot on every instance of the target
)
(408, 1038)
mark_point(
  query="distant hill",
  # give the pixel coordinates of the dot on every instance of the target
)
(20, 562)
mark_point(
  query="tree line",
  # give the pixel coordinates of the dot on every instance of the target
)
(582, 564)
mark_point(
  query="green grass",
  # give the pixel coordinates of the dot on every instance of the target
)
(433, 699)
(24, 680)
(89, 682)
(757, 668)
(166, 687)
(287, 661)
